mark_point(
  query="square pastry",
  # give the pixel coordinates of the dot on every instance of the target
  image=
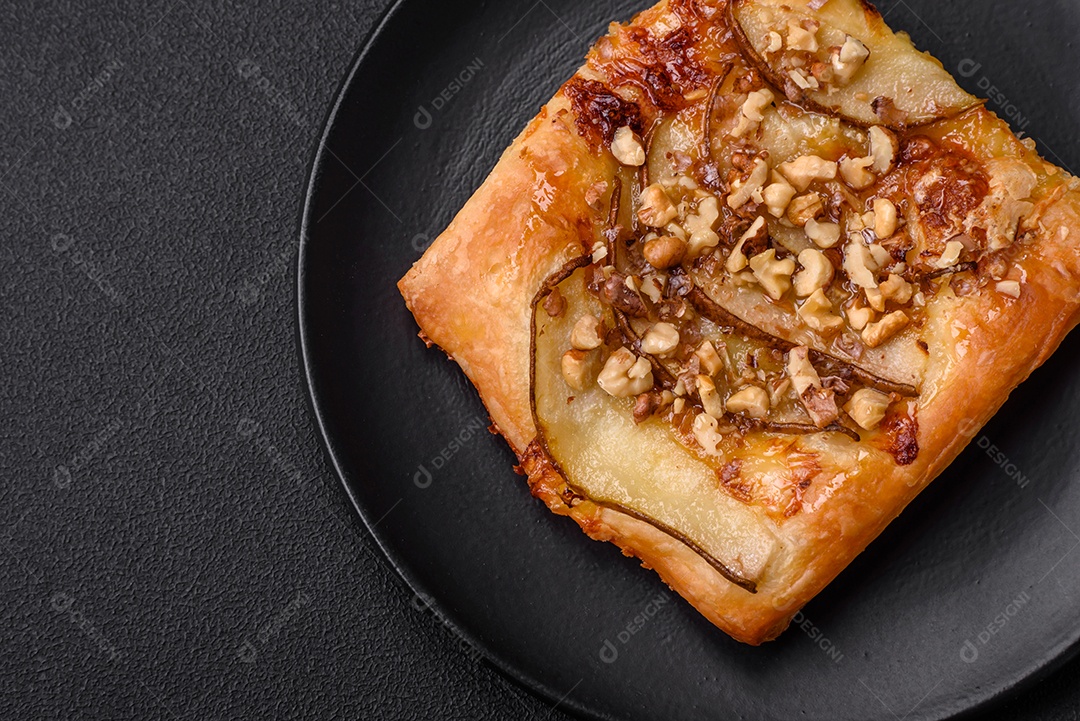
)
(748, 283)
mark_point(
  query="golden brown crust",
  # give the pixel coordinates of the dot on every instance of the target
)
(472, 294)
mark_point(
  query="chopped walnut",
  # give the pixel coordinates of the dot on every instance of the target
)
(803, 171)
(710, 360)
(651, 403)
(802, 80)
(1010, 288)
(775, 42)
(737, 260)
(777, 195)
(577, 369)
(588, 333)
(951, 256)
(876, 334)
(819, 402)
(751, 401)
(710, 398)
(661, 339)
(860, 265)
(773, 274)
(885, 218)
(555, 304)
(805, 208)
(875, 298)
(707, 434)
(896, 289)
(626, 375)
(817, 313)
(856, 172)
(801, 370)
(884, 149)
(664, 252)
(627, 148)
(848, 60)
(742, 191)
(817, 272)
(799, 38)
(824, 234)
(867, 407)
(700, 226)
(859, 316)
(656, 209)
(599, 252)
(753, 111)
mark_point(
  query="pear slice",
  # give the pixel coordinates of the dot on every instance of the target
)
(639, 469)
(896, 85)
(896, 367)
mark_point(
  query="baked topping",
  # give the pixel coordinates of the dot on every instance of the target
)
(751, 401)
(588, 333)
(656, 209)
(625, 374)
(627, 148)
(867, 407)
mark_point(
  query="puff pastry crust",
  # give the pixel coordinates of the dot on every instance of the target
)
(547, 202)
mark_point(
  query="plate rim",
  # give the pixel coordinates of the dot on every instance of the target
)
(1014, 685)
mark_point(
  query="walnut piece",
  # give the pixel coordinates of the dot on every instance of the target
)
(751, 401)
(708, 357)
(773, 274)
(876, 334)
(742, 191)
(867, 407)
(661, 339)
(710, 398)
(625, 374)
(817, 313)
(778, 195)
(737, 260)
(707, 434)
(805, 208)
(803, 171)
(627, 148)
(656, 209)
(817, 272)
(665, 251)
(884, 149)
(587, 334)
(577, 369)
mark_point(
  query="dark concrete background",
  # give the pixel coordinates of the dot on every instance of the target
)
(173, 543)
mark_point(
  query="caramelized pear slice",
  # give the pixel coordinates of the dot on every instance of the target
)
(896, 367)
(896, 85)
(639, 469)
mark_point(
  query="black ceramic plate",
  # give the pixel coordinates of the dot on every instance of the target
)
(972, 591)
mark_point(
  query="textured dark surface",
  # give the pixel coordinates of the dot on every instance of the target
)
(172, 542)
